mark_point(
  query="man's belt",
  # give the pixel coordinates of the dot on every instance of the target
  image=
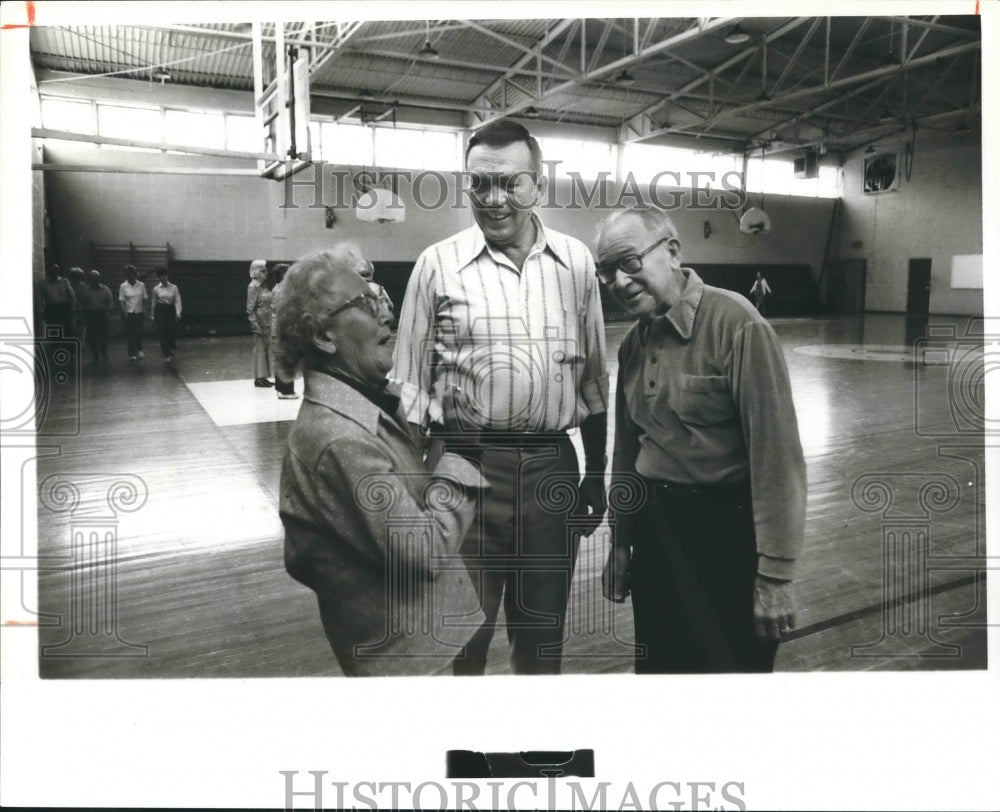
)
(498, 438)
(722, 491)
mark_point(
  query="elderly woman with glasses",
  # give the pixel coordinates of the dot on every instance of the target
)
(367, 526)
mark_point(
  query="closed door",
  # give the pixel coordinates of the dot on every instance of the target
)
(918, 289)
(847, 289)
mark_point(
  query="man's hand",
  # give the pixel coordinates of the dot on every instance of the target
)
(592, 502)
(773, 607)
(614, 579)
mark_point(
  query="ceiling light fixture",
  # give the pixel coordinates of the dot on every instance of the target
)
(871, 150)
(736, 35)
(625, 78)
(428, 51)
(531, 112)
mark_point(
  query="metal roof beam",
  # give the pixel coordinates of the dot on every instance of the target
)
(886, 71)
(335, 48)
(691, 33)
(821, 107)
(933, 25)
(639, 123)
(793, 61)
(530, 51)
(850, 48)
(483, 100)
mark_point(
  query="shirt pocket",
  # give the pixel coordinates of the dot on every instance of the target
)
(705, 400)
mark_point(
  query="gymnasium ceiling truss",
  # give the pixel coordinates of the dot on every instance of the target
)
(835, 84)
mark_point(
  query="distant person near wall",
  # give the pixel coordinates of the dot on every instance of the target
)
(760, 291)
(56, 302)
(132, 297)
(166, 312)
(259, 315)
(79, 285)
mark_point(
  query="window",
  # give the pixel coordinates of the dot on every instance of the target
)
(136, 123)
(587, 158)
(242, 134)
(398, 148)
(346, 144)
(72, 116)
(771, 175)
(442, 150)
(416, 149)
(646, 161)
(194, 129)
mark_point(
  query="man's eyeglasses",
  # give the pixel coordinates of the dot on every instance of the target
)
(482, 184)
(368, 302)
(630, 264)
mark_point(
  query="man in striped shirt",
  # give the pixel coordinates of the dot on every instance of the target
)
(500, 352)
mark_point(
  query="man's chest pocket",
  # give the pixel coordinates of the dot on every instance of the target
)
(704, 400)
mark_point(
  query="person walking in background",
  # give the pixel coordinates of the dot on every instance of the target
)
(258, 299)
(132, 297)
(95, 305)
(79, 285)
(284, 380)
(166, 312)
(760, 291)
(56, 302)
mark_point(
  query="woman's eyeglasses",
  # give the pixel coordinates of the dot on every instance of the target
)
(630, 264)
(368, 302)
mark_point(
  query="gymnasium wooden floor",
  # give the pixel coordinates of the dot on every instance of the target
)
(162, 547)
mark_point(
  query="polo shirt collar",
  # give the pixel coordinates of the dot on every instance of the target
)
(684, 311)
(472, 248)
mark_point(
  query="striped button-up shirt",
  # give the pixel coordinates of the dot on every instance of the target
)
(524, 348)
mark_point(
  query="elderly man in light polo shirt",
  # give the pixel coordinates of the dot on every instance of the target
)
(505, 319)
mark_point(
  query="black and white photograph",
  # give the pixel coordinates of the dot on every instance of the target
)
(601, 384)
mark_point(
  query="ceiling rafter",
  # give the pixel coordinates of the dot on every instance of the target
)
(641, 126)
(933, 25)
(849, 52)
(336, 48)
(531, 51)
(821, 108)
(483, 100)
(793, 60)
(844, 82)
(691, 33)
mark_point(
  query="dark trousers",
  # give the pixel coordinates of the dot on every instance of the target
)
(133, 333)
(694, 563)
(96, 327)
(523, 551)
(166, 328)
